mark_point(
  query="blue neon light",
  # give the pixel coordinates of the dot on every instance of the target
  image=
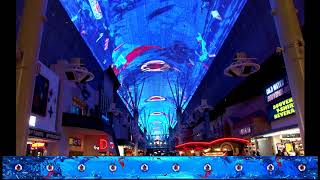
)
(191, 167)
(149, 43)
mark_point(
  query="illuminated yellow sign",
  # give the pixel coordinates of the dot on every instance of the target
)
(283, 108)
(36, 145)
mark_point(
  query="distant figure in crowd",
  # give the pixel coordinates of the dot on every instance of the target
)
(279, 153)
(296, 150)
(241, 152)
(284, 152)
(253, 153)
(258, 153)
(229, 153)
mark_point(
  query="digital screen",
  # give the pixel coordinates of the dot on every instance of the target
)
(279, 100)
(158, 52)
(164, 167)
(283, 108)
(278, 89)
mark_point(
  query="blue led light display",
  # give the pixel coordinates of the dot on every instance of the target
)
(156, 48)
(130, 167)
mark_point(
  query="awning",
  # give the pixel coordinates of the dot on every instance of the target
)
(268, 133)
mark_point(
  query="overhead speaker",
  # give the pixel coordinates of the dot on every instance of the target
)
(242, 66)
(247, 70)
(231, 73)
(85, 79)
(77, 72)
(70, 75)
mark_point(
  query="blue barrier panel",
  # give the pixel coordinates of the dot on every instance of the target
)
(160, 167)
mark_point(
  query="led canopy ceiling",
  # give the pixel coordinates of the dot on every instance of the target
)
(159, 49)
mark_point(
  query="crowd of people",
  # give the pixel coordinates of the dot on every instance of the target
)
(285, 153)
(246, 152)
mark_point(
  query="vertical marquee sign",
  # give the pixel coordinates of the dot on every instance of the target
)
(279, 99)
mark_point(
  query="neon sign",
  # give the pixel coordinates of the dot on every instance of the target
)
(103, 144)
(246, 130)
(156, 114)
(37, 145)
(275, 87)
(283, 108)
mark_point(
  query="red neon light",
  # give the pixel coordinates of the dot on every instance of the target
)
(101, 143)
(156, 113)
(198, 148)
(138, 51)
(213, 142)
(156, 98)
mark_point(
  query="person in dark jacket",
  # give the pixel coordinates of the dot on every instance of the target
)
(258, 153)
(253, 153)
(279, 153)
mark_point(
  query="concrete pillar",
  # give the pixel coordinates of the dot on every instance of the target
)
(291, 41)
(29, 41)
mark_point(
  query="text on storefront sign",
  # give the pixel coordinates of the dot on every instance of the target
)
(103, 144)
(43, 134)
(283, 108)
(246, 130)
(74, 141)
(278, 93)
(275, 87)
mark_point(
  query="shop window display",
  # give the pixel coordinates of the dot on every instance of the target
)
(293, 148)
(75, 153)
(36, 149)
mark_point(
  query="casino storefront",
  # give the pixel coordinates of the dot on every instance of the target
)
(230, 146)
(287, 138)
(43, 134)
(87, 136)
(40, 141)
(284, 134)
